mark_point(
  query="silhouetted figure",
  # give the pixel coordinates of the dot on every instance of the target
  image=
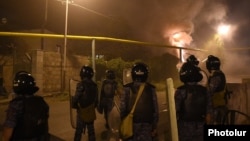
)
(108, 91)
(85, 101)
(217, 88)
(27, 114)
(193, 104)
(146, 113)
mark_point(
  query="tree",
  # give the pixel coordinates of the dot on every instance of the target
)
(117, 65)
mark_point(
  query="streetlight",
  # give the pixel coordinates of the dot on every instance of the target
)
(44, 23)
(223, 29)
(65, 40)
(65, 45)
(223, 32)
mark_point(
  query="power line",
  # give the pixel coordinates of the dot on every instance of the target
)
(95, 38)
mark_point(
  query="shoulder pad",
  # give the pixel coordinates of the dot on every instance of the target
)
(201, 86)
(217, 73)
(128, 85)
(181, 87)
(151, 85)
(18, 98)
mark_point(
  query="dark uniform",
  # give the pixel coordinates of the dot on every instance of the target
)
(107, 97)
(27, 115)
(146, 114)
(85, 95)
(189, 130)
(216, 83)
(14, 114)
(216, 87)
(191, 117)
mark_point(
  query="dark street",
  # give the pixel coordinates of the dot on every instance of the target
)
(60, 124)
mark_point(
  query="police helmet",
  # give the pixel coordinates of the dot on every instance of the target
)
(86, 72)
(212, 63)
(110, 74)
(139, 72)
(193, 59)
(24, 84)
(190, 73)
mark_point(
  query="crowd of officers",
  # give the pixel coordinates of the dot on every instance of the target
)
(190, 117)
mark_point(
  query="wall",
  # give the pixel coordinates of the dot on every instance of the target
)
(53, 70)
(239, 100)
(7, 73)
(46, 67)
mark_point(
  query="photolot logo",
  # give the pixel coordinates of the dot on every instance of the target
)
(239, 132)
(215, 132)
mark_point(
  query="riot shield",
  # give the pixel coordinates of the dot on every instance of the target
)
(127, 78)
(72, 89)
(114, 119)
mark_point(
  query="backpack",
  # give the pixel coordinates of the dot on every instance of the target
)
(193, 106)
(33, 121)
(109, 89)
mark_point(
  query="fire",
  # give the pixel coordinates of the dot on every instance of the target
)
(180, 39)
(176, 40)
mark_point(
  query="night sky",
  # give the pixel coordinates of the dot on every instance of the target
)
(141, 19)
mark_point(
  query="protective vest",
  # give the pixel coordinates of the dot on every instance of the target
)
(108, 88)
(145, 108)
(33, 121)
(89, 94)
(193, 106)
(219, 96)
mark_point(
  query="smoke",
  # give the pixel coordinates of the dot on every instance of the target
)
(159, 20)
(168, 16)
(196, 21)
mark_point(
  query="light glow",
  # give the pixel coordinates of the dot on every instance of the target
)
(223, 29)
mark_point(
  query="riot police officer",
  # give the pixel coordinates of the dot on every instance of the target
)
(217, 87)
(85, 101)
(108, 91)
(27, 114)
(193, 104)
(146, 113)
